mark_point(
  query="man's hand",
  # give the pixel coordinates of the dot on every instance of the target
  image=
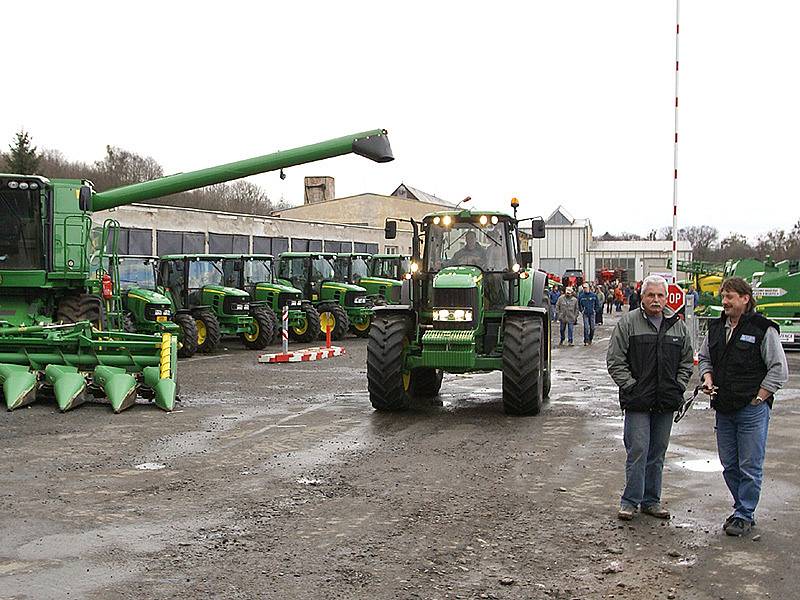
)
(708, 385)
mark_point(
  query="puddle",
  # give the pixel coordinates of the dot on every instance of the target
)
(701, 465)
(150, 466)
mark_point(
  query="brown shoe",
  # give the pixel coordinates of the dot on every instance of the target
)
(657, 511)
(626, 513)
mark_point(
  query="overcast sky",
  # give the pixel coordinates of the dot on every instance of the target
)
(559, 102)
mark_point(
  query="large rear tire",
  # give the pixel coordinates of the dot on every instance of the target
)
(338, 315)
(425, 382)
(261, 332)
(387, 382)
(208, 331)
(523, 373)
(188, 337)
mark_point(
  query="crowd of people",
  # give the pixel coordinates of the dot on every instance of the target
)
(588, 303)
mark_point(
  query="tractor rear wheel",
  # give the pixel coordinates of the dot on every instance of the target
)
(260, 334)
(387, 381)
(80, 307)
(523, 372)
(425, 382)
(208, 331)
(309, 331)
(336, 316)
(188, 337)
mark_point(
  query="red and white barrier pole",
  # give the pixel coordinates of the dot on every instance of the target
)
(675, 155)
(285, 328)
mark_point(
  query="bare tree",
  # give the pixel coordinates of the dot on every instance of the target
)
(702, 238)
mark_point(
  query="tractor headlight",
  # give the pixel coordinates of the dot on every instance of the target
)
(158, 312)
(245, 307)
(452, 314)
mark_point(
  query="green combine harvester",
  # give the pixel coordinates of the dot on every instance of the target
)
(341, 306)
(254, 274)
(777, 293)
(61, 326)
(475, 305)
(354, 267)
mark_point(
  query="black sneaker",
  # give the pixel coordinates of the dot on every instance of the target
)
(728, 522)
(738, 527)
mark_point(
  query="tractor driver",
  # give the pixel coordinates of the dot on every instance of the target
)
(472, 253)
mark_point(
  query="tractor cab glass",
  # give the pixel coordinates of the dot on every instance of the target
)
(451, 243)
(205, 272)
(20, 225)
(137, 272)
(257, 271)
(394, 267)
(350, 269)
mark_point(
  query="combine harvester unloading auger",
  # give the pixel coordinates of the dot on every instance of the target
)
(61, 319)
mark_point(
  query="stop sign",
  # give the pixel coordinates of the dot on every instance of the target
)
(676, 297)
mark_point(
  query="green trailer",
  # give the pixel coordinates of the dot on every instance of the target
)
(254, 274)
(342, 306)
(61, 327)
(475, 305)
(777, 293)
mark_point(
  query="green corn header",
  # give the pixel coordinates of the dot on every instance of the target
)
(60, 330)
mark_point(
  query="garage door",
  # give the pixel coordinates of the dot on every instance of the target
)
(556, 265)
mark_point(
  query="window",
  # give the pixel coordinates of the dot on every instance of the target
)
(392, 250)
(180, 242)
(333, 246)
(270, 245)
(224, 243)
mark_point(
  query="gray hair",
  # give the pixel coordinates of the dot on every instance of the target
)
(654, 280)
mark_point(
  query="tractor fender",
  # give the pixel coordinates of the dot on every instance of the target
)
(529, 310)
(183, 311)
(393, 308)
(539, 283)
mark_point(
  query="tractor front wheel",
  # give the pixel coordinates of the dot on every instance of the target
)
(335, 316)
(523, 372)
(188, 337)
(387, 380)
(361, 329)
(309, 330)
(260, 334)
(208, 331)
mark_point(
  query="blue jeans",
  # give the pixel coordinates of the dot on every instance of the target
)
(742, 443)
(588, 327)
(552, 312)
(646, 440)
(569, 326)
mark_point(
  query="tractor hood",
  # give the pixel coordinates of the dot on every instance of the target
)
(379, 281)
(457, 277)
(279, 287)
(225, 291)
(148, 296)
(345, 287)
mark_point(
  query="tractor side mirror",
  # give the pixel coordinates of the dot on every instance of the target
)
(525, 259)
(537, 228)
(390, 230)
(85, 198)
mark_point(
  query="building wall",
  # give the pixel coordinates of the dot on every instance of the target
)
(560, 245)
(364, 209)
(212, 228)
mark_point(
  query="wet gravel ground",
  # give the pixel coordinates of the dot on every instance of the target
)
(279, 481)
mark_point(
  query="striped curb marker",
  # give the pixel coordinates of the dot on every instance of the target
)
(306, 355)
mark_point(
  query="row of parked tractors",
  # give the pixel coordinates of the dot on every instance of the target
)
(202, 298)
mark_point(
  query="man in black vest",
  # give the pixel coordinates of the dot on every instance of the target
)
(742, 365)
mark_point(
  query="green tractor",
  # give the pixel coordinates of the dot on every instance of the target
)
(61, 325)
(475, 306)
(254, 274)
(397, 267)
(341, 306)
(196, 283)
(147, 308)
(354, 268)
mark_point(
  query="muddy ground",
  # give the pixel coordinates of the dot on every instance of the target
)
(281, 482)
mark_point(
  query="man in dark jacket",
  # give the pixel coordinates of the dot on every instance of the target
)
(742, 362)
(587, 301)
(650, 358)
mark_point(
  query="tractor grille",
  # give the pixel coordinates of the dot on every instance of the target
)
(285, 298)
(456, 298)
(350, 299)
(236, 305)
(153, 311)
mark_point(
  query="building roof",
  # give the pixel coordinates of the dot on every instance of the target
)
(406, 191)
(561, 218)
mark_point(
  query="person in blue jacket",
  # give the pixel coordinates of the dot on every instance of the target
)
(589, 306)
(555, 294)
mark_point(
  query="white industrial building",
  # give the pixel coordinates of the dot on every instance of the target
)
(568, 244)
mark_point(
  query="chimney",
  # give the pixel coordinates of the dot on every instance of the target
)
(318, 189)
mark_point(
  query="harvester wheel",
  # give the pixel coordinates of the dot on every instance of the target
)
(188, 337)
(309, 331)
(523, 372)
(337, 317)
(387, 381)
(425, 382)
(260, 335)
(80, 307)
(208, 333)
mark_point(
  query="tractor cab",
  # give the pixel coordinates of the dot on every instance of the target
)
(390, 266)
(355, 268)
(143, 303)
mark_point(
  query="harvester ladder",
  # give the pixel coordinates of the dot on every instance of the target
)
(109, 264)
